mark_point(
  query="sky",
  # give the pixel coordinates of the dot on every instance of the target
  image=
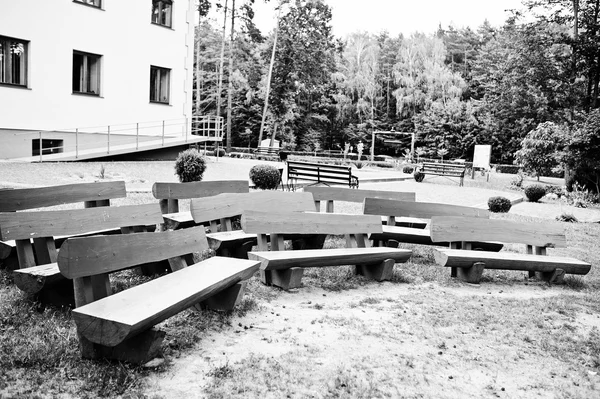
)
(400, 16)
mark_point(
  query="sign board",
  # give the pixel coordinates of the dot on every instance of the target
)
(481, 157)
(267, 143)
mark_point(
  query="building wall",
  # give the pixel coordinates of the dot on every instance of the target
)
(129, 43)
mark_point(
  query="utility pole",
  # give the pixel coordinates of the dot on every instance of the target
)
(230, 86)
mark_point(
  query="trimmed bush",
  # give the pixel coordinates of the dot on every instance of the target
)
(220, 152)
(265, 177)
(408, 170)
(509, 169)
(499, 204)
(535, 192)
(418, 176)
(190, 166)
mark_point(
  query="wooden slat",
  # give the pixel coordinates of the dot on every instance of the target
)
(455, 228)
(87, 256)
(355, 195)
(510, 261)
(309, 223)
(29, 198)
(198, 189)
(233, 204)
(426, 210)
(281, 260)
(112, 320)
(33, 279)
(24, 225)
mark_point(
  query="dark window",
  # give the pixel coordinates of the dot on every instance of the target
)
(161, 12)
(13, 61)
(159, 84)
(86, 73)
(93, 3)
(49, 146)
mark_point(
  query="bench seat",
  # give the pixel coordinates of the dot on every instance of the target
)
(411, 235)
(281, 260)
(113, 319)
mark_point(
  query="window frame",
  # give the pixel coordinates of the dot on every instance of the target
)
(6, 56)
(85, 82)
(159, 91)
(96, 3)
(160, 15)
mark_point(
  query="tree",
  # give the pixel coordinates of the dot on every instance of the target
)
(540, 148)
(582, 155)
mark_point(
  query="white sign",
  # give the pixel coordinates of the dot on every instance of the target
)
(481, 157)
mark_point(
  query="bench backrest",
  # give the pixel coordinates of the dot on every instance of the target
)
(459, 229)
(232, 204)
(444, 166)
(424, 210)
(91, 259)
(29, 198)
(314, 171)
(168, 194)
(331, 194)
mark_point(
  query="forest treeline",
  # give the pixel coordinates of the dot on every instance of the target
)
(454, 88)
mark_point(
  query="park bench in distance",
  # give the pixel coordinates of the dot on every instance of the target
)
(319, 173)
(38, 273)
(91, 194)
(468, 263)
(267, 151)
(284, 269)
(169, 194)
(224, 207)
(444, 169)
(420, 210)
(120, 326)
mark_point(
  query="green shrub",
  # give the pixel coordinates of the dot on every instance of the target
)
(419, 176)
(558, 190)
(220, 152)
(190, 166)
(509, 169)
(408, 170)
(499, 204)
(535, 192)
(265, 177)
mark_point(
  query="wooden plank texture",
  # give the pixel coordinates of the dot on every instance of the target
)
(232, 204)
(510, 261)
(451, 228)
(355, 195)
(33, 279)
(198, 189)
(87, 256)
(29, 198)
(309, 223)
(25, 225)
(113, 319)
(426, 210)
(280, 260)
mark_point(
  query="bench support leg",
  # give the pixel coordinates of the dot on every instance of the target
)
(284, 279)
(227, 299)
(555, 277)
(241, 252)
(471, 274)
(378, 272)
(137, 350)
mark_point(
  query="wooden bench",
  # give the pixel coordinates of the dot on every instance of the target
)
(169, 194)
(420, 210)
(444, 169)
(119, 326)
(319, 173)
(285, 268)
(38, 273)
(267, 151)
(225, 207)
(331, 194)
(468, 264)
(90, 194)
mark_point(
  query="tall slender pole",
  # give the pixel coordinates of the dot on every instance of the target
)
(230, 85)
(221, 63)
(264, 116)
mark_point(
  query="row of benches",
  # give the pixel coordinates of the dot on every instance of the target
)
(106, 323)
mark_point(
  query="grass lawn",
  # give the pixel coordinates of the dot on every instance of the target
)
(422, 334)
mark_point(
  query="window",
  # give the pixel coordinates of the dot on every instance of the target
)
(49, 146)
(93, 3)
(86, 73)
(159, 84)
(161, 12)
(13, 61)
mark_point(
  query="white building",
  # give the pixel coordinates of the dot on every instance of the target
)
(67, 64)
